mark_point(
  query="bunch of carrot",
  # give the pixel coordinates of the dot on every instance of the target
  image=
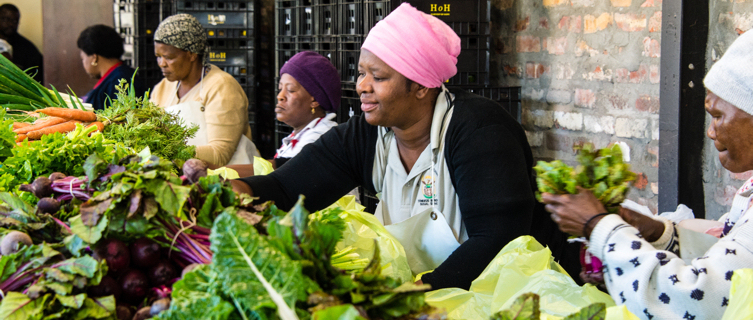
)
(61, 120)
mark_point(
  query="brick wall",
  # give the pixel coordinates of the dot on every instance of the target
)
(589, 70)
(727, 19)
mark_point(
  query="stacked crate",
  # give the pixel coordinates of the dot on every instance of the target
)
(230, 27)
(136, 21)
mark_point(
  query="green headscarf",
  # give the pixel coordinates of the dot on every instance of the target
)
(184, 32)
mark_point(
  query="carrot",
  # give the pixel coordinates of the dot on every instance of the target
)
(100, 126)
(51, 121)
(19, 125)
(20, 137)
(62, 128)
(70, 114)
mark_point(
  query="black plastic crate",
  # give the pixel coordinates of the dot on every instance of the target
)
(282, 130)
(469, 78)
(222, 44)
(140, 51)
(224, 19)
(348, 53)
(325, 17)
(350, 103)
(139, 18)
(350, 15)
(230, 33)
(282, 57)
(463, 16)
(324, 45)
(190, 5)
(231, 57)
(474, 54)
(287, 17)
(507, 97)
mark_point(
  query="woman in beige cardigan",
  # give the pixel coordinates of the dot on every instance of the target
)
(201, 93)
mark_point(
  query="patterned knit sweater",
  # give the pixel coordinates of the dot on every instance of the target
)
(656, 284)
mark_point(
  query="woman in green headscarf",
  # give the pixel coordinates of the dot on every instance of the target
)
(201, 93)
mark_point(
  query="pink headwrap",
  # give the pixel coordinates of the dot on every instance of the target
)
(419, 46)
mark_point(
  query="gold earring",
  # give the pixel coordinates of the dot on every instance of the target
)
(94, 63)
(313, 110)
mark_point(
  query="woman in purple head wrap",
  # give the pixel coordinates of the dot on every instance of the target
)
(309, 94)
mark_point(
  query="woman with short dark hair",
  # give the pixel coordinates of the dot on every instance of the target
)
(101, 48)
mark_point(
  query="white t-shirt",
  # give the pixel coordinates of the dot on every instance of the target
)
(294, 143)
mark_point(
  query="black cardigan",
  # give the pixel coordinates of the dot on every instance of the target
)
(491, 169)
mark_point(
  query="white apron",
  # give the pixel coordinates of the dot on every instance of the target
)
(193, 112)
(427, 237)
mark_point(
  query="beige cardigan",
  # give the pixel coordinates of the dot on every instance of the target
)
(225, 108)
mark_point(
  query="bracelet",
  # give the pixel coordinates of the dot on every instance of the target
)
(585, 226)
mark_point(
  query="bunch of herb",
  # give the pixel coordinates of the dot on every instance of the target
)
(526, 307)
(279, 267)
(57, 153)
(600, 170)
(38, 282)
(138, 123)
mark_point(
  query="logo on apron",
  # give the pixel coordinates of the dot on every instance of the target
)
(427, 189)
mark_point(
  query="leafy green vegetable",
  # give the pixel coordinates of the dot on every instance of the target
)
(341, 312)
(57, 153)
(601, 171)
(596, 311)
(138, 123)
(525, 307)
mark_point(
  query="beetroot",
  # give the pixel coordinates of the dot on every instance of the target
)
(108, 286)
(115, 252)
(48, 205)
(134, 285)
(162, 273)
(143, 313)
(159, 306)
(57, 176)
(14, 241)
(194, 169)
(41, 187)
(123, 312)
(145, 253)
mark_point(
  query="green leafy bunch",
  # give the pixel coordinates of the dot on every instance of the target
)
(286, 274)
(56, 285)
(7, 136)
(57, 152)
(600, 170)
(138, 123)
(526, 307)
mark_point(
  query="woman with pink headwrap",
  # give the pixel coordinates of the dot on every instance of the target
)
(452, 169)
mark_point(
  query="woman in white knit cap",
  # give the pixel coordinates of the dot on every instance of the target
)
(641, 266)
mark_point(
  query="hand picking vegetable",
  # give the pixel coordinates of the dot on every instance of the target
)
(601, 171)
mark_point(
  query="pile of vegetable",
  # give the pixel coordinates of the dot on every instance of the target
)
(138, 123)
(526, 307)
(62, 120)
(139, 228)
(600, 170)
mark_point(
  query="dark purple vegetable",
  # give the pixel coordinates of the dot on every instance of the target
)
(13, 241)
(57, 176)
(162, 273)
(41, 187)
(123, 312)
(48, 205)
(143, 313)
(145, 253)
(115, 252)
(108, 286)
(194, 169)
(159, 306)
(188, 269)
(134, 285)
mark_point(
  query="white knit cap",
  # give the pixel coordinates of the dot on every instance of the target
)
(731, 78)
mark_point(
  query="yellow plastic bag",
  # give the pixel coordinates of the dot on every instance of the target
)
(262, 167)
(620, 313)
(522, 266)
(740, 296)
(360, 232)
